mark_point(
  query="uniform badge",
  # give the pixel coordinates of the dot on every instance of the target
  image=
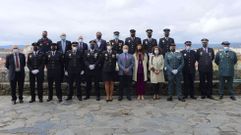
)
(201, 53)
(70, 55)
(88, 54)
(96, 55)
(49, 56)
(185, 54)
(106, 55)
(163, 41)
(129, 41)
(113, 55)
(146, 42)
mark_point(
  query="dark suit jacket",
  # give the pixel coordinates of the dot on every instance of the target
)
(190, 59)
(148, 45)
(102, 46)
(10, 65)
(205, 60)
(82, 48)
(164, 44)
(67, 47)
(132, 43)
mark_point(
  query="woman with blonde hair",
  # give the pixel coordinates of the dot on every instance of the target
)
(140, 71)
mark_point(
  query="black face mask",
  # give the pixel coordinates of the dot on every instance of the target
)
(205, 45)
(44, 36)
(149, 35)
(133, 34)
(99, 37)
(35, 48)
(172, 50)
(92, 47)
(53, 48)
(166, 34)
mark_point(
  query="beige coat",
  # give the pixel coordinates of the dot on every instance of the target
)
(144, 63)
(156, 62)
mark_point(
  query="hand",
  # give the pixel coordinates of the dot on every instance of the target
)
(126, 70)
(91, 67)
(174, 71)
(82, 72)
(66, 73)
(157, 71)
(35, 71)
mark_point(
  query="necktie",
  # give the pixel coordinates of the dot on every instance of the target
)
(17, 61)
(125, 60)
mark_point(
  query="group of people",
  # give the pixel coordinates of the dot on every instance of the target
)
(123, 61)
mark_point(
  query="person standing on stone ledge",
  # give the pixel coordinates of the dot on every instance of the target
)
(54, 64)
(35, 64)
(205, 57)
(44, 42)
(15, 63)
(226, 59)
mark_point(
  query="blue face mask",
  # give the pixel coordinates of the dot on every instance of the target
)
(116, 37)
(225, 49)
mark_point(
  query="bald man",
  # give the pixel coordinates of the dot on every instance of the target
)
(63, 45)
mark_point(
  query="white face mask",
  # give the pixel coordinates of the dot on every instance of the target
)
(225, 48)
(15, 51)
(109, 48)
(156, 52)
(74, 48)
(80, 40)
(188, 47)
(125, 50)
(63, 37)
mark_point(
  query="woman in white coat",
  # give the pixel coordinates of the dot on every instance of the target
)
(140, 71)
(156, 64)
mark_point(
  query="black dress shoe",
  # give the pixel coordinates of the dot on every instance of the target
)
(50, 99)
(192, 97)
(31, 101)
(80, 98)
(203, 97)
(41, 100)
(169, 98)
(14, 102)
(20, 101)
(233, 98)
(68, 98)
(97, 98)
(211, 97)
(129, 98)
(221, 97)
(60, 100)
(86, 98)
(120, 98)
(185, 97)
(181, 99)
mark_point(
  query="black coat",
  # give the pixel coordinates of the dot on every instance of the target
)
(109, 61)
(132, 43)
(82, 47)
(74, 62)
(54, 63)
(205, 60)
(10, 65)
(102, 46)
(164, 44)
(117, 45)
(149, 44)
(92, 58)
(44, 44)
(190, 59)
(67, 47)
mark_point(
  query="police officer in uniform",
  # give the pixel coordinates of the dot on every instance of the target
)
(132, 41)
(93, 69)
(226, 59)
(44, 42)
(205, 57)
(116, 43)
(189, 70)
(35, 65)
(149, 42)
(74, 65)
(165, 42)
(174, 63)
(54, 64)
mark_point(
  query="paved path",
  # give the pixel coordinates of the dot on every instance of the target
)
(148, 117)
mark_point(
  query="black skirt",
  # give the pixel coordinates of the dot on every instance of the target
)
(109, 76)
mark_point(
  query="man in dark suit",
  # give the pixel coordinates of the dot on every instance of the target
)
(132, 41)
(82, 46)
(15, 63)
(93, 69)
(116, 43)
(100, 43)
(63, 45)
(205, 57)
(74, 65)
(44, 43)
(126, 63)
(35, 65)
(164, 43)
(149, 42)
(54, 64)
(189, 70)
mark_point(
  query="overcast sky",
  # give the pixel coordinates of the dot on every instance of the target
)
(22, 21)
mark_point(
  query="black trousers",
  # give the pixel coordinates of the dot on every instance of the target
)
(188, 79)
(206, 83)
(39, 78)
(74, 77)
(18, 80)
(125, 85)
(54, 77)
(89, 79)
(155, 87)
